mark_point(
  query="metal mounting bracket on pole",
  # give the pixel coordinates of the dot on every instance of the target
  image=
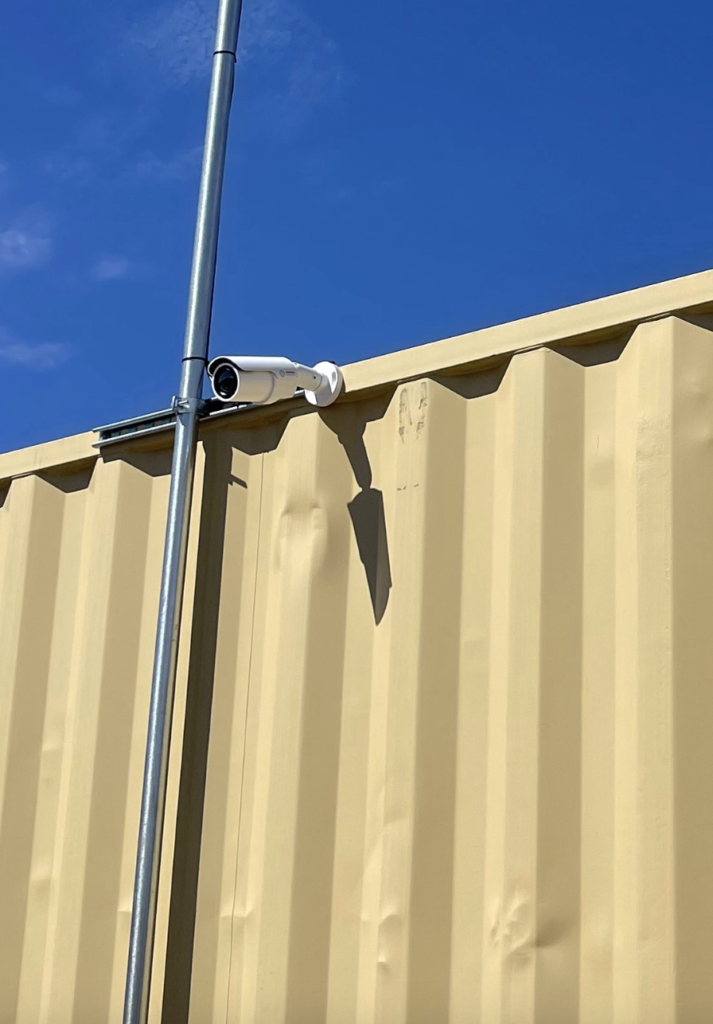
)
(197, 406)
(186, 408)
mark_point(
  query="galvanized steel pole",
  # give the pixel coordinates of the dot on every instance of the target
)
(187, 407)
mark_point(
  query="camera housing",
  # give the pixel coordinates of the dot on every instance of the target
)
(262, 380)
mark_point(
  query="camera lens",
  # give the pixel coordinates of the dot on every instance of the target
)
(225, 382)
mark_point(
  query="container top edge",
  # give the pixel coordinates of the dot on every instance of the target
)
(578, 323)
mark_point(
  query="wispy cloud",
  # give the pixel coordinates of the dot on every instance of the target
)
(23, 248)
(177, 38)
(181, 165)
(40, 356)
(288, 64)
(288, 69)
(61, 95)
(69, 164)
(273, 30)
(99, 142)
(111, 268)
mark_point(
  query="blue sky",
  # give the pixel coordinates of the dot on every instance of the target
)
(397, 172)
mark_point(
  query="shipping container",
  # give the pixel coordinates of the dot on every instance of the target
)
(443, 733)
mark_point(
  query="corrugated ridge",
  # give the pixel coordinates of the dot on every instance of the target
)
(479, 774)
(78, 629)
(584, 323)
(445, 673)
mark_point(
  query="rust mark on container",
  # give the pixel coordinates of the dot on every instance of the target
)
(405, 420)
(422, 406)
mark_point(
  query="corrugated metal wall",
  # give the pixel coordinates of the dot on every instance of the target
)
(447, 685)
(80, 562)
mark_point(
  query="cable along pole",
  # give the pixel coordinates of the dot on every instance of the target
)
(187, 407)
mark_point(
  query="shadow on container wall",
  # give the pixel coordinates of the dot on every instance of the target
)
(218, 479)
(366, 510)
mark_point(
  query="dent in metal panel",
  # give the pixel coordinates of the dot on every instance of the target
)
(510, 701)
(446, 749)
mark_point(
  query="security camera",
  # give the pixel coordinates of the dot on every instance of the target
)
(262, 380)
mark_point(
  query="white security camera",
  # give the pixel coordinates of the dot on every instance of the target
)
(262, 380)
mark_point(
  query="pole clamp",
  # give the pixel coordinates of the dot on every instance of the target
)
(191, 405)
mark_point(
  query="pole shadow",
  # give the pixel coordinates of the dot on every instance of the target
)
(196, 737)
(218, 479)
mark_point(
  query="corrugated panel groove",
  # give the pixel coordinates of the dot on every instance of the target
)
(692, 665)
(442, 726)
(35, 548)
(47, 816)
(74, 571)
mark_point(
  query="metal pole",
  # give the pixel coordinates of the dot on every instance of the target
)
(187, 407)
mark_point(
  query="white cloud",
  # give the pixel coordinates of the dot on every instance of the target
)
(40, 356)
(21, 248)
(111, 268)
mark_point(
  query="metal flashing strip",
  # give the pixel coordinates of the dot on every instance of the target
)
(137, 426)
(158, 422)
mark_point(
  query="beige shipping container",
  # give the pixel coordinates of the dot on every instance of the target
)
(443, 735)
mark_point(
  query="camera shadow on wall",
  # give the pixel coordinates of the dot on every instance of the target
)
(366, 509)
